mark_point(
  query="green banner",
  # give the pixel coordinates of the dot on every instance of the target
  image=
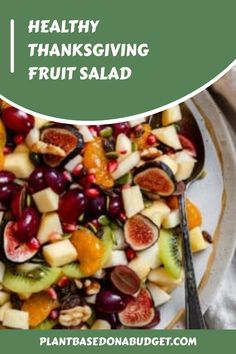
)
(92, 60)
(116, 341)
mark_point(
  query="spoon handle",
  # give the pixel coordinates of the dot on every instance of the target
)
(194, 317)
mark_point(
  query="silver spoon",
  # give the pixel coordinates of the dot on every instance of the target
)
(193, 317)
(189, 127)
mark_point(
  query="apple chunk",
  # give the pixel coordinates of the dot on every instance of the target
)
(46, 200)
(16, 319)
(133, 200)
(59, 253)
(50, 223)
(19, 163)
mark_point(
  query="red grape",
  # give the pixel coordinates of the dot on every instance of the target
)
(55, 180)
(27, 225)
(110, 301)
(6, 177)
(19, 121)
(72, 204)
(36, 180)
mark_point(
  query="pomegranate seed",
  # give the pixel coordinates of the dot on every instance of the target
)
(18, 139)
(122, 217)
(77, 170)
(34, 243)
(91, 192)
(54, 314)
(69, 227)
(52, 293)
(67, 176)
(95, 223)
(90, 178)
(55, 236)
(112, 165)
(63, 282)
(123, 152)
(130, 254)
(7, 150)
(93, 131)
(151, 139)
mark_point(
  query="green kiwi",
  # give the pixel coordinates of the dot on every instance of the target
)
(170, 252)
(46, 324)
(72, 270)
(26, 283)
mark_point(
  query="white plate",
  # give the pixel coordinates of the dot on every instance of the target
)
(210, 194)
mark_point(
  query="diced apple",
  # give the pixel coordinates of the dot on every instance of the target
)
(24, 296)
(168, 135)
(101, 324)
(123, 145)
(4, 297)
(185, 165)
(32, 137)
(119, 240)
(169, 288)
(159, 296)
(73, 163)
(197, 241)
(87, 135)
(39, 122)
(169, 161)
(171, 220)
(4, 308)
(115, 258)
(132, 200)
(135, 122)
(59, 253)
(139, 267)
(171, 115)
(156, 212)
(126, 165)
(50, 223)
(1, 216)
(161, 277)
(150, 256)
(19, 163)
(46, 200)
(91, 299)
(2, 271)
(16, 319)
(21, 148)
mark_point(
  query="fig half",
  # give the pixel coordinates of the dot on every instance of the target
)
(140, 232)
(155, 177)
(15, 251)
(139, 311)
(67, 138)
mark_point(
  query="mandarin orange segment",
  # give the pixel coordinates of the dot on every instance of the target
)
(3, 135)
(95, 159)
(1, 159)
(90, 250)
(4, 105)
(194, 215)
(39, 306)
(142, 140)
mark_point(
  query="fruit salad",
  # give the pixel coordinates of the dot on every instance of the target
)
(90, 227)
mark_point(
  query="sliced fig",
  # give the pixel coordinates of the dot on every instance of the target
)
(155, 177)
(67, 138)
(139, 311)
(180, 188)
(125, 279)
(155, 321)
(15, 251)
(140, 232)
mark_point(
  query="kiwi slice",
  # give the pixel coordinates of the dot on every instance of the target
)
(72, 270)
(170, 252)
(46, 324)
(26, 283)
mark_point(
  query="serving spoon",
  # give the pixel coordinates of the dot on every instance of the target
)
(193, 316)
(189, 128)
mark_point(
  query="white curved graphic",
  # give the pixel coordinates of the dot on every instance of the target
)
(123, 119)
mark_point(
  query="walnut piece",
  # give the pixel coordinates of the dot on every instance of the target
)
(92, 287)
(74, 316)
(44, 148)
